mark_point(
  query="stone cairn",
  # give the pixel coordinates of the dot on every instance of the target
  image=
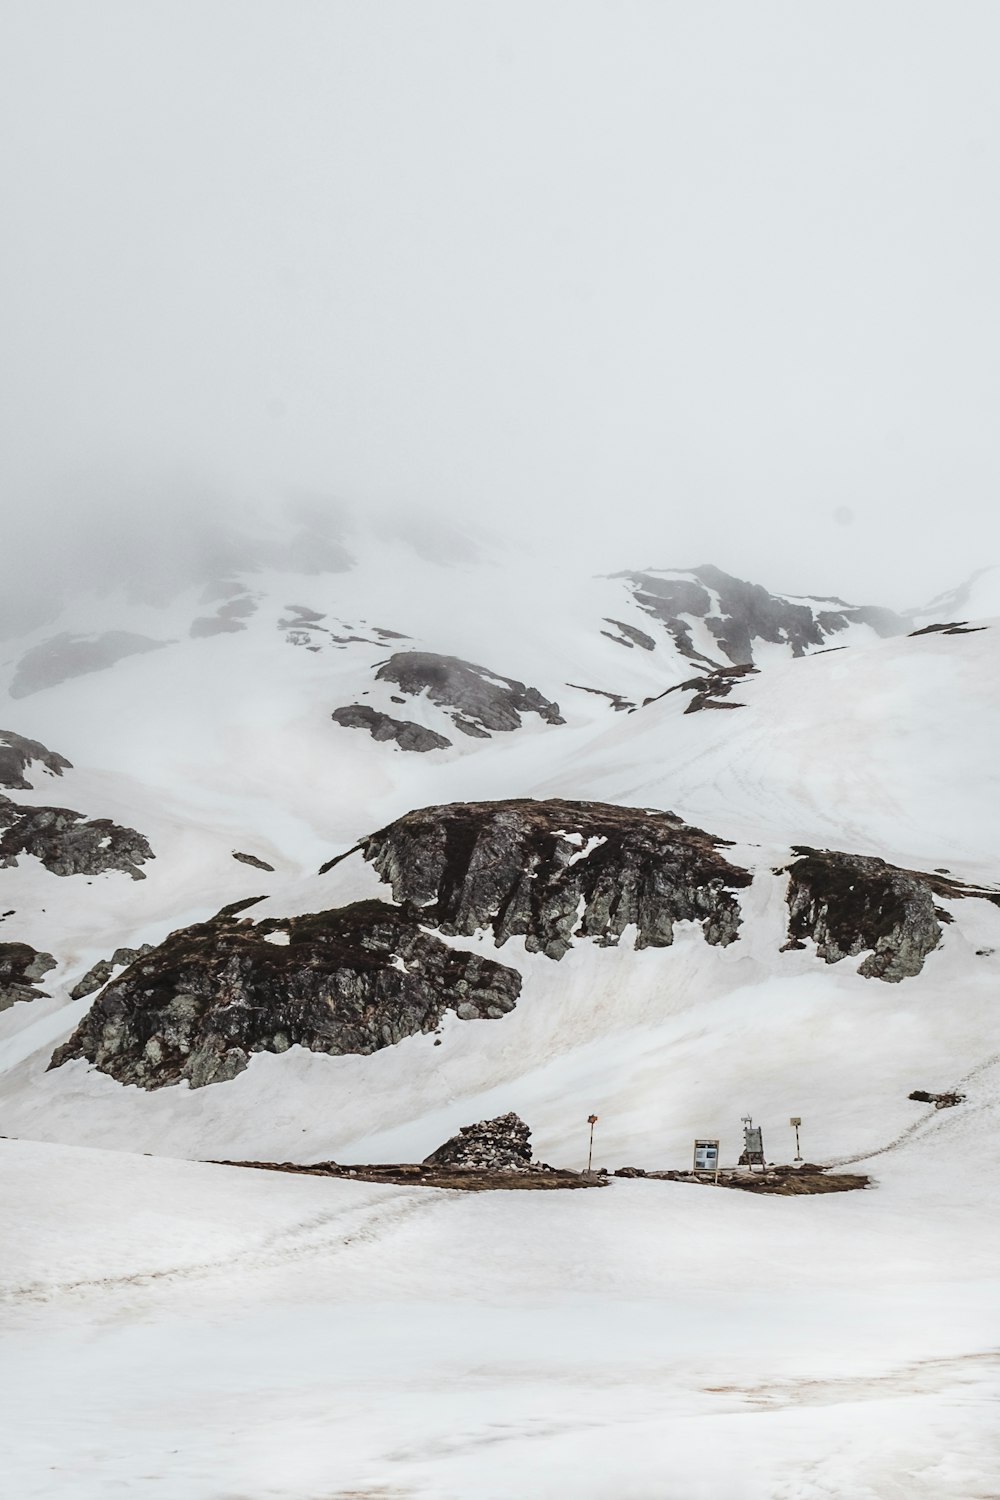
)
(500, 1145)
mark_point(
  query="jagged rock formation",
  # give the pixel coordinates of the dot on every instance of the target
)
(707, 690)
(98, 976)
(21, 966)
(407, 734)
(628, 635)
(69, 844)
(65, 656)
(950, 627)
(618, 702)
(251, 859)
(478, 699)
(849, 903)
(939, 1101)
(17, 754)
(352, 980)
(551, 871)
(500, 1145)
(741, 613)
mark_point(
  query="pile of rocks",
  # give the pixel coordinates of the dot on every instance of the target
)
(500, 1145)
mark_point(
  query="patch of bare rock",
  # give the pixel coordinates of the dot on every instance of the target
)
(18, 755)
(352, 980)
(403, 732)
(848, 904)
(555, 870)
(67, 843)
(477, 699)
(21, 968)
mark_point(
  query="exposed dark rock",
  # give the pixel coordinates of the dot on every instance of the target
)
(251, 859)
(390, 635)
(301, 615)
(17, 754)
(65, 656)
(21, 966)
(237, 609)
(67, 843)
(939, 1101)
(849, 903)
(629, 635)
(503, 1144)
(551, 871)
(480, 699)
(617, 702)
(98, 976)
(746, 613)
(407, 734)
(707, 690)
(952, 627)
(214, 625)
(352, 980)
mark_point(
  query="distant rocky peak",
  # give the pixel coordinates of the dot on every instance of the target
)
(477, 699)
(739, 615)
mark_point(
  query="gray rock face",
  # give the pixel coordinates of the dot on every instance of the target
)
(21, 966)
(551, 871)
(67, 843)
(407, 734)
(478, 699)
(65, 656)
(709, 690)
(848, 903)
(251, 859)
(500, 1145)
(746, 612)
(214, 625)
(101, 972)
(17, 754)
(352, 980)
(628, 635)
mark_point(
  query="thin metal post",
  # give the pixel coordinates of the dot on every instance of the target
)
(591, 1121)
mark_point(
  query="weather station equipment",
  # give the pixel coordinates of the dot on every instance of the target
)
(795, 1122)
(753, 1144)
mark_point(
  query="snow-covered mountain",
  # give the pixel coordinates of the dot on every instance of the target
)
(216, 749)
(331, 854)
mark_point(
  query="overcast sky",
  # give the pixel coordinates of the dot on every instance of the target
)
(683, 280)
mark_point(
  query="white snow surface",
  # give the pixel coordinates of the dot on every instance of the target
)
(178, 1329)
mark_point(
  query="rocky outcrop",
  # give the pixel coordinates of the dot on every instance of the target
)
(477, 699)
(406, 734)
(352, 980)
(628, 635)
(98, 976)
(554, 871)
(65, 656)
(738, 613)
(69, 844)
(251, 859)
(848, 904)
(500, 1145)
(708, 691)
(16, 756)
(21, 967)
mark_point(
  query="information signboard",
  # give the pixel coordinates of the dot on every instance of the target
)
(706, 1156)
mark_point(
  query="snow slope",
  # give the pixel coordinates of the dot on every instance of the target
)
(256, 1335)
